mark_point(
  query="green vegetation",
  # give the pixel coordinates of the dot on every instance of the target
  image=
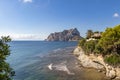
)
(89, 34)
(88, 46)
(113, 59)
(108, 43)
(6, 72)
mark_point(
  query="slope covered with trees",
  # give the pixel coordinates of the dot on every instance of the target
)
(108, 45)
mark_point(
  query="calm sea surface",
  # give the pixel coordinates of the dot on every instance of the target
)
(27, 55)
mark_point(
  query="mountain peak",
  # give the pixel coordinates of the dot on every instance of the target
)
(65, 35)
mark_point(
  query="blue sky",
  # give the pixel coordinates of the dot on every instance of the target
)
(36, 19)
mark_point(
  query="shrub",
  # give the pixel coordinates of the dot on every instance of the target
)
(113, 59)
(88, 46)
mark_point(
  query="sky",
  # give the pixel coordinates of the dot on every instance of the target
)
(36, 19)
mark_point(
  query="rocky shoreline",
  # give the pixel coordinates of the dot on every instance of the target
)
(97, 62)
(65, 58)
(64, 62)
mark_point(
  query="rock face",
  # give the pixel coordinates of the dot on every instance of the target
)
(97, 62)
(66, 35)
(85, 60)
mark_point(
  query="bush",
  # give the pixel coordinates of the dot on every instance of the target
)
(88, 46)
(110, 40)
(98, 49)
(113, 59)
(82, 42)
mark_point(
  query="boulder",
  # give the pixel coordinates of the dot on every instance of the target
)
(118, 73)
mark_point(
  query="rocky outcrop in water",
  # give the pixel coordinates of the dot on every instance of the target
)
(66, 35)
(97, 62)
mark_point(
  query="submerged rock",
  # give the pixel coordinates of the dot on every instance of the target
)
(66, 35)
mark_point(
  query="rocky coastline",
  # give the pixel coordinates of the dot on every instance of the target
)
(97, 62)
(64, 58)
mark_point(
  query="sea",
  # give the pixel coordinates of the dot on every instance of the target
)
(27, 58)
(43, 60)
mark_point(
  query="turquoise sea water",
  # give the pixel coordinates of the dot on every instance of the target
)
(25, 56)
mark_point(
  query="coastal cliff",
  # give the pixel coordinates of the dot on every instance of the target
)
(66, 35)
(97, 62)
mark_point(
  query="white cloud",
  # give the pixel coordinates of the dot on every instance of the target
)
(27, 1)
(24, 36)
(116, 15)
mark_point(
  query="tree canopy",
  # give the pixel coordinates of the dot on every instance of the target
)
(108, 44)
(6, 72)
(89, 34)
(110, 40)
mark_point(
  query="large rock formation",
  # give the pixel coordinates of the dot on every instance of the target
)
(66, 35)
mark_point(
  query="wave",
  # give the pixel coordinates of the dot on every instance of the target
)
(60, 67)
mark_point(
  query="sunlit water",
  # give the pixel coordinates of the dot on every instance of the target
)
(27, 58)
(41, 60)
